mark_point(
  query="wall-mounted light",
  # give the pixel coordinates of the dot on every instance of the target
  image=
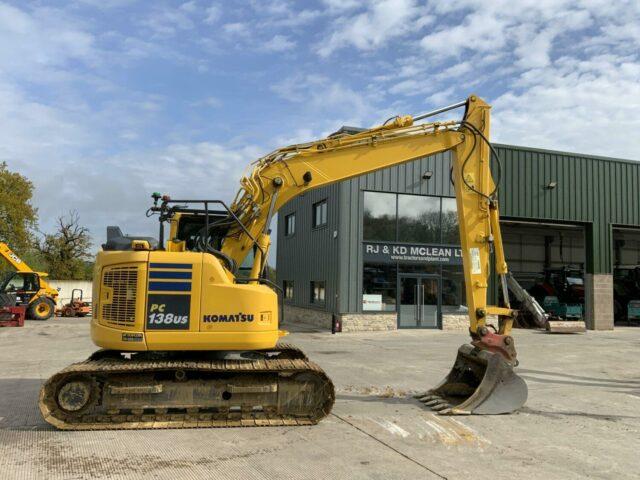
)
(551, 185)
(427, 175)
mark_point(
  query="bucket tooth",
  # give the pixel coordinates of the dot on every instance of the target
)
(438, 407)
(480, 382)
(427, 396)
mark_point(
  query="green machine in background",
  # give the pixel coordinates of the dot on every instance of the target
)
(568, 311)
(633, 310)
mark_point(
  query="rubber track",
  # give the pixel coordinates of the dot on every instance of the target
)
(61, 420)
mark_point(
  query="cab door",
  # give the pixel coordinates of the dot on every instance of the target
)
(25, 285)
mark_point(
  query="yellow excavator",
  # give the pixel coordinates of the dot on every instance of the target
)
(189, 342)
(30, 288)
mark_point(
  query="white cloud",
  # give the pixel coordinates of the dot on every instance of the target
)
(324, 96)
(213, 14)
(383, 21)
(168, 21)
(482, 32)
(442, 97)
(212, 102)
(528, 27)
(33, 129)
(342, 5)
(236, 29)
(281, 14)
(191, 6)
(31, 45)
(106, 4)
(278, 43)
(560, 74)
(586, 106)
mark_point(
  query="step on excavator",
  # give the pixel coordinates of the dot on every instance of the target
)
(187, 341)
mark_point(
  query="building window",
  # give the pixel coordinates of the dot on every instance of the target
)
(379, 287)
(319, 214)
(449, 222)
(418, 219)
(287, 287)
(392, 217)
(379, 221)
(289, 224)
(317, 292)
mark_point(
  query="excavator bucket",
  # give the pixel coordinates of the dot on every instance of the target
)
(481, 383)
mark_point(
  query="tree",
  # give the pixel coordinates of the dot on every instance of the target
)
(67, 252)
(17, 215)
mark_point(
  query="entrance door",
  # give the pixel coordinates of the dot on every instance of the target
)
(418, 301)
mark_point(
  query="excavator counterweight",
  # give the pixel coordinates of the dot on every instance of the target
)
(188, 341)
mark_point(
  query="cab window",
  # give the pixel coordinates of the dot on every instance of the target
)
(22, 282)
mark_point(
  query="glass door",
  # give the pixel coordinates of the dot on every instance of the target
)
(418, 301)
(408, 302)
(428, 296)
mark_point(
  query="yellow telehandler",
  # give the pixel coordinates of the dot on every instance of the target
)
(30, 288)
(187, 342)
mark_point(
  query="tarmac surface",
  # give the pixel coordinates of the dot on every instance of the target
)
(582, 419)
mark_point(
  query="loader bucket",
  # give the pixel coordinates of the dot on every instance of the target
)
(481, 383)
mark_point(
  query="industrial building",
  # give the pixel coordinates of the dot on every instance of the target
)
(381, 251)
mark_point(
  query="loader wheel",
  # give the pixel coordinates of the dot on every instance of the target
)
(41, 309)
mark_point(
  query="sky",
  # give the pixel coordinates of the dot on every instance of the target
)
(103, 102)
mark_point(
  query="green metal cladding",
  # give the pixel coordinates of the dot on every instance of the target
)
(598, 192)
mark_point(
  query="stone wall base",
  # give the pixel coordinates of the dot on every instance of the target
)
(370, 322)
(363, 322)
(308, 316)
(454, 322)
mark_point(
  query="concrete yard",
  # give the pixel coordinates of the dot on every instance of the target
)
(582, 419)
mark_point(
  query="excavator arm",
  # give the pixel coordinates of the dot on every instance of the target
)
(482, 379)
(288, 172)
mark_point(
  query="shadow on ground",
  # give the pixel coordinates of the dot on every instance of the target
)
(543, 376)
(19, 404)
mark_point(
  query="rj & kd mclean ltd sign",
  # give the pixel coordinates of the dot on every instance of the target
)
(380, 252)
